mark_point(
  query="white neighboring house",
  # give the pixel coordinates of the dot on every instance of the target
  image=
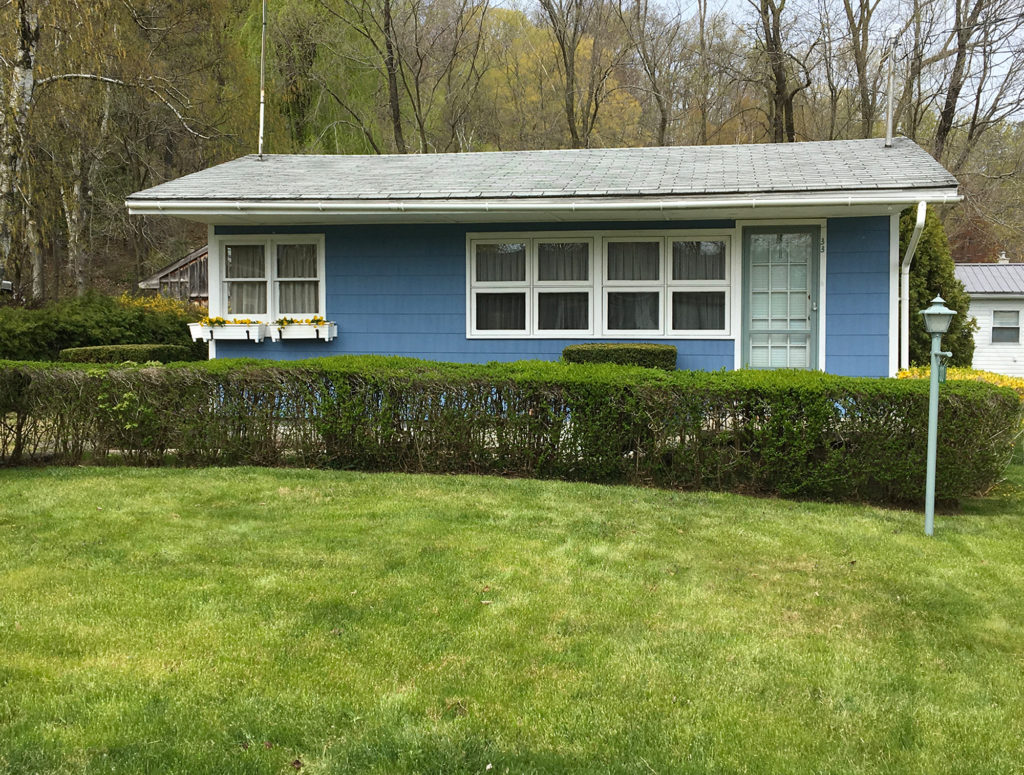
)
(997, 301)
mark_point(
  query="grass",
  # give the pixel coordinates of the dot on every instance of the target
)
(260, 621)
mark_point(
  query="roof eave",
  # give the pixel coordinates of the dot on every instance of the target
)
(251, 207)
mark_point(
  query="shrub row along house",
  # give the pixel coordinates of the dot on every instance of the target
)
(760, 256)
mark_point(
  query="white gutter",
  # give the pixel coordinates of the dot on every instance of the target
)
(220, 207)
(908, 259)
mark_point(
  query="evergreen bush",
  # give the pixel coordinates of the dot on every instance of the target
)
(651, 356)
(931, 275)
(796, 434)
(93, 320)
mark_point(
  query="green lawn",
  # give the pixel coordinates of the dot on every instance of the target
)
(240, 620)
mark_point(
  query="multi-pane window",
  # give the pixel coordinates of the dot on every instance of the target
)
(633, 285)
(541, 286)
(1006, 327)
(272, 277)
(636, 286)
(699, 285)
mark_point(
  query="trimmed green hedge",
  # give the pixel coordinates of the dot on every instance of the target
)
(796, 434)
(651, 356)
(120, 353)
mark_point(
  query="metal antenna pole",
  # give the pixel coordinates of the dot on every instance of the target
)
(888, 111)
(263, 68)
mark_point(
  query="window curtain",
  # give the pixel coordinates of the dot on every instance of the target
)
(501, 311)
(633, 261)
(244, 261)
(503, 262)
(296, 261)
(563, 261)
(563, 311)
(298, 298)
(247, 298)
(698, 311)
(633, 311)
(698, 260)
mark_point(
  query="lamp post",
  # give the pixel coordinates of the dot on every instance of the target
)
(936, 322)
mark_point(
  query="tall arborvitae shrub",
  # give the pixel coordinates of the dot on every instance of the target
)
(932, 275)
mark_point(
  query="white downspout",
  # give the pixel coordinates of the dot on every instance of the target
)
(908, 259)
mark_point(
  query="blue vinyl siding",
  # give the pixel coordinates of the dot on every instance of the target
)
(400, 290)
(857, 297)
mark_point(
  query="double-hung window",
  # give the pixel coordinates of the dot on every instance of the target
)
(698, 286)
(531, 286)
(671, 286)
(270, 277)
(634, 286)
(1006, 327)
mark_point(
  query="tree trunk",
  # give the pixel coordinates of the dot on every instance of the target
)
(391, 67)
(12, 130)
(35, 251)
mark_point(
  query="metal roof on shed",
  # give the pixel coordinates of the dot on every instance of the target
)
(862, 166)
(992, 279)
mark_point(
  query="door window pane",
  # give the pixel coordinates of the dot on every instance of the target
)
(563, 311)
(501, 311)
(703, 311)
(698, 260)
(563, 261)
(633, 261)
(501, 262)
(633, 311)
(244, 261)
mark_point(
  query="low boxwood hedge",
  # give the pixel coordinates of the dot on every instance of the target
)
(120, 353)
(651, 356)
(796, 434)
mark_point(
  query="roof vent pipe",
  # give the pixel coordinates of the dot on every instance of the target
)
(1002, 258)
(263, 68)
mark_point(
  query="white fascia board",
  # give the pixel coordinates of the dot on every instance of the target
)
(211, 210)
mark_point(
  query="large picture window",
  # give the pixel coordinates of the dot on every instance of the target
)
(648, 285)
(270, 277)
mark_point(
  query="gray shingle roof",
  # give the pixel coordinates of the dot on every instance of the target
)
(837, 166)
(991, 278)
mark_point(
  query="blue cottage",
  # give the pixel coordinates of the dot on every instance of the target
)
(749, 256)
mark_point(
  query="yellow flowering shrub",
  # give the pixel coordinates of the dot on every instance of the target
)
(158, 303)
(974, 375)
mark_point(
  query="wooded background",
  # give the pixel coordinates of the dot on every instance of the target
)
(105, 97)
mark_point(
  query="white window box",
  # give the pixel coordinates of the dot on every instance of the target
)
(253, 332)
(323, 331)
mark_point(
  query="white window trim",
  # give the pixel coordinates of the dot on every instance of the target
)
(992, 342)
(219, 283)
(531, 286)
(598, 286)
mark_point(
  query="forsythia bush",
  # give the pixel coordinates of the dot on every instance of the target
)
(796, 434)
(1014, 383)
(156, 303)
